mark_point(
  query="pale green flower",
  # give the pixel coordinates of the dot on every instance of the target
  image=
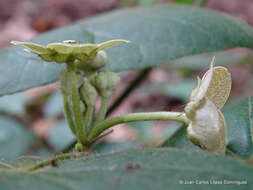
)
(207, 128)
(69, 51)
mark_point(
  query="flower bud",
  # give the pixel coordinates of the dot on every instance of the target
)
(88, 94)
(100, 60)
(79, 147)
(105, 82)
(208, 129)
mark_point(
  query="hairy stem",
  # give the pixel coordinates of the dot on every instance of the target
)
(75, 98)
(176, 116)
(102, 111)
(68, 114)
(88, 118)
(48, 162)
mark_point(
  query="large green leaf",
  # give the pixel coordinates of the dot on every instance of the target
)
(14, 138)
(13, 104)
(54, 107)
(158, 34)
(179, 140)
(198, 62)
(19, 162)
(137, 169)
(238, 118)
(144, 130)
(109, 147)
(61, 136)
(178, 89)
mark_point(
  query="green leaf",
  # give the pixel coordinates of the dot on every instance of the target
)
(179, 140)
(14, 138)
(19, 162)
(144, 130)
(61, 136)
(198, 62)
(14, 104)
(54, 107)
(147, 2)
(158, 34)
(109, 147)
(179, 89)
(137, 2)
(136, 169)
(239, 123)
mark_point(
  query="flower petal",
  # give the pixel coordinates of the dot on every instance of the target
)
(203, 85)
(34, 48)
(110, 43)
(215, 85)
(208, 128)
(61, 48)
(219, 87)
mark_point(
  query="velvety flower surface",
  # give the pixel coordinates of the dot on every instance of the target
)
(207, 128)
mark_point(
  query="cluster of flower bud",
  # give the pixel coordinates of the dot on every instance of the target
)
(105, 82)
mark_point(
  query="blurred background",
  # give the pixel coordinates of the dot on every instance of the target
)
(34, 119)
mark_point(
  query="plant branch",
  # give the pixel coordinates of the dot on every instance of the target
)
(52, 161)
(141, 76)
(176, 116)
(75, 98)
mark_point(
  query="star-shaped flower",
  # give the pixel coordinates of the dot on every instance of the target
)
(68, 50)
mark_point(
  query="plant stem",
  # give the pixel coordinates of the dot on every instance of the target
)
(176, 116)
(75, 98)
(131, 87)
(68, 113)
(48, 162)
(103, 109)
(88, 118)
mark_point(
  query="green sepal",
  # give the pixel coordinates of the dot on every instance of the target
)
(34, 48)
